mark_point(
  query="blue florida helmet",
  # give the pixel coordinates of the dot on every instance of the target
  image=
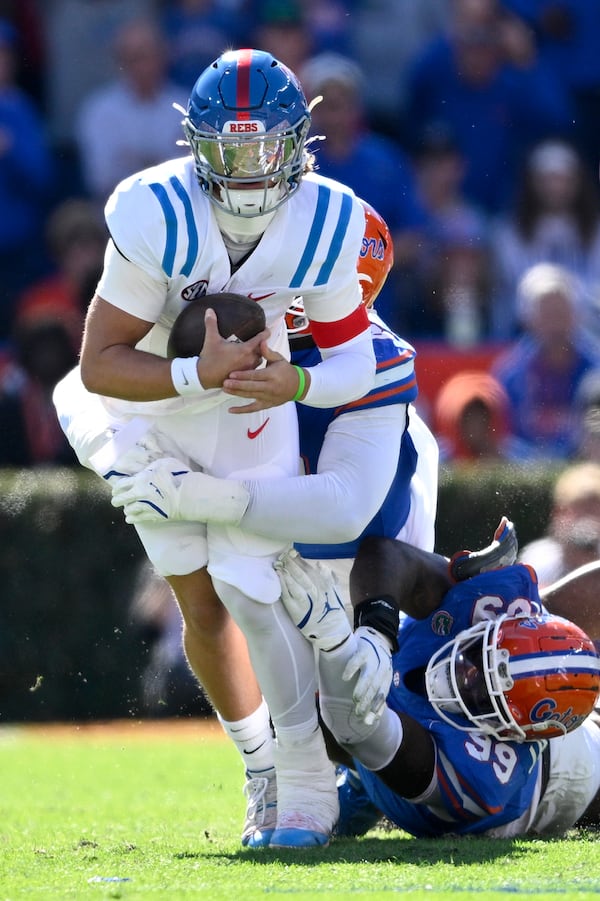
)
(246, 123)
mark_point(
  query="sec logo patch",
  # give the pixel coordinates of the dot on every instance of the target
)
(198, 289)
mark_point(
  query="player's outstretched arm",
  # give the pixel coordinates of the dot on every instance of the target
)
(168, 490)
(414, 581)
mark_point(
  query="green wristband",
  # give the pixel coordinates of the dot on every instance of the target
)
(301, 383)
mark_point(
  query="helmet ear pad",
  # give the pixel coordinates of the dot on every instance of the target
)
(246, 124)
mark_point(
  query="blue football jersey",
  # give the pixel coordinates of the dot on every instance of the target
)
(481, 783)
(395, 383)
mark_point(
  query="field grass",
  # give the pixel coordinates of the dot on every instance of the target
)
(137, 812)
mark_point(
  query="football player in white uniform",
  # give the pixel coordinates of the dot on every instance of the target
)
(243, 213)
(371, 469)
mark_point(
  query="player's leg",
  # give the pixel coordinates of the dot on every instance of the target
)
(284, 663)
(217, 653)
(215, 649)
(241, 565)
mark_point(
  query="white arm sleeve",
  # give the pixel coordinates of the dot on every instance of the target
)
(346, 373)
(356, 467)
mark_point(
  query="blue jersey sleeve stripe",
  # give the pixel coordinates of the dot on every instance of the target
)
(337, 241)
(191, 226)
(168, 260)
(314, 236)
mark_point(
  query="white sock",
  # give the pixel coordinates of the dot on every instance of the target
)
(253, 737)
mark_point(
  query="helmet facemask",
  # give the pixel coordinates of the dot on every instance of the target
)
(271, 163)
(466, 681)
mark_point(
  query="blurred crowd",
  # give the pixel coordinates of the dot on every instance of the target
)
(470, 125)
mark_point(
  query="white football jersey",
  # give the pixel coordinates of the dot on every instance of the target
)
(161, 221)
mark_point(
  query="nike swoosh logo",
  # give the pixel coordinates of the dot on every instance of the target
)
(257, 432)
(261, 296)
(254, 750)
(184, 377)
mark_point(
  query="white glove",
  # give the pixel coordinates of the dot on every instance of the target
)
(373, 662)
(168, 490)
(151, 494)
(141, 454)
(309, 594)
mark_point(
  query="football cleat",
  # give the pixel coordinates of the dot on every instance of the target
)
(307, 796)
(358, 814)
(299, 830)
(501, 552)
(261, 810)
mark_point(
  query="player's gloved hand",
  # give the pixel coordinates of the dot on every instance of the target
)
(309, 594)
(152, 494)
(143, 453)
(168, 490)
(373, 663)
(501, 552)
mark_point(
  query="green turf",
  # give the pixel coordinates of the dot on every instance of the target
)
(163, 817)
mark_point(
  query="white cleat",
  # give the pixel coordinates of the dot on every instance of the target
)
(261, 810)
(307, 797)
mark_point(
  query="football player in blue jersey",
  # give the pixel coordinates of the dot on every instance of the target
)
(242, 213)
(485, 726)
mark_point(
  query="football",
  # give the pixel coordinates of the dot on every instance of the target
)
(238, 317)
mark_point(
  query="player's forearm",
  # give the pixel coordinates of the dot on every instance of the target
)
(344, 375)
(122, 372)
(307, 509)
(264, 506)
